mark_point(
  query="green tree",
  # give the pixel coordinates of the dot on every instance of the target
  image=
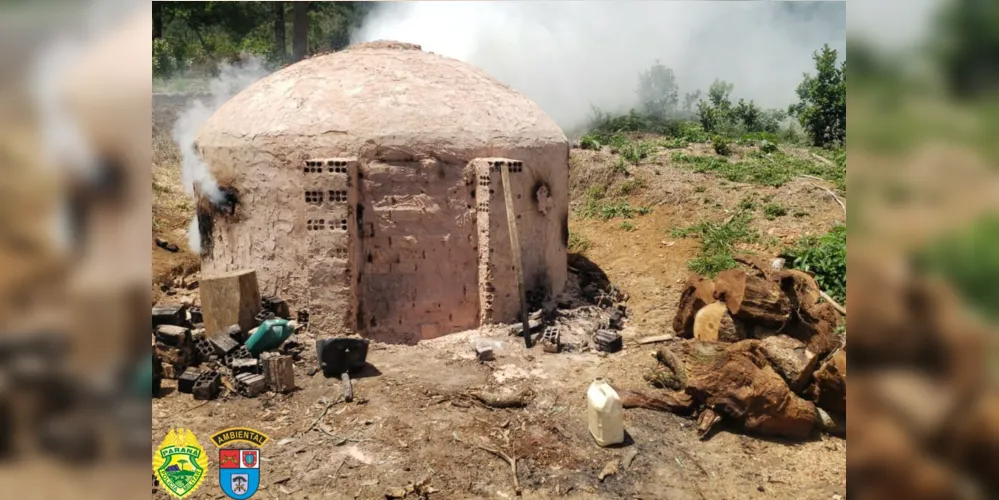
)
(716, 110)
(969, 54)
(822, 100)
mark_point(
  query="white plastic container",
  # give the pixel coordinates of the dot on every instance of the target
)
(606, 415)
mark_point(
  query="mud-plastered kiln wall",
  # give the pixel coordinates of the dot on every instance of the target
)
(369, 193)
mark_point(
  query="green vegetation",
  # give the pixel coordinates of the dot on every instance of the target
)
(627, 226)
(578, 244)
(969, 261)
(718, 239)
(773, 210)
(631, 186)
(774, 169)
(198, 37)
(825, 258)
(822, 105)
(721, 145)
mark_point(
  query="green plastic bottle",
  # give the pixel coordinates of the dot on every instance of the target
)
(269, 334)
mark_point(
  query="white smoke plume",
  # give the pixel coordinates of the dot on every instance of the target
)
(232, 79)
(567, 56)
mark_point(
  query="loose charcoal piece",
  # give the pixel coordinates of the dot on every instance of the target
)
(171, 335)
(186, 381)
(223, 344)
(303, 316)
(608, 341)
(169, 314)
(616, 319)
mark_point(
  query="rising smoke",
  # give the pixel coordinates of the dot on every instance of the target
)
(232, 79)
(567, 56)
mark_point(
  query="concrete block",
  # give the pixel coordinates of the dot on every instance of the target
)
(169, 314)
(223, 344)
(484, 352)
(172, 335)
(608, 341)
(186, 381)
(236, 333)
(208, 385)
(251, 384)
(243, 365)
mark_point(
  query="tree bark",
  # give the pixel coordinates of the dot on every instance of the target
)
(280, 42)
(300, 31)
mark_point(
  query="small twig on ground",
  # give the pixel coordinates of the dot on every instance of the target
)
(322, 414)
(834, 197)
(655, 339)
(510, 460)
(831, 301)
(185, 410)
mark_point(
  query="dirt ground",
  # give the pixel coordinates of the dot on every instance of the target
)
(410, 422)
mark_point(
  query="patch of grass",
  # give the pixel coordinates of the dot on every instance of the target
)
(717, 242)
(578, 244)
(801, 213)
(825, 258)
(774, 169)
(635, 152)
(674, 143)
(700, 189)
(768, 147)
(632, 186)
(968, 260)
(627, 226)
(620, 167)
(748, 203)
(620, 209)
(773, 210)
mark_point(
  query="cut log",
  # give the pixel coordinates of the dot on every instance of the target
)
(742, 386)
(698, 293)
(674, 402)
(713, 323)
(230, 299)
(828, 389)
(752, 299)
(791, 359)
(279, 372)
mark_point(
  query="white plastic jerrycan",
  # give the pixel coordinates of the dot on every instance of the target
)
(606, 415)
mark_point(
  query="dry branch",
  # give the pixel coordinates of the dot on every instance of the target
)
(516, 400)
(832, 302)
(823, 160)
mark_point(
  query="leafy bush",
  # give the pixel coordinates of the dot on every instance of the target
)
(631, 186)
(627, 226)
(969, 261)
(721, 145)
(822, 100)
(825, 258)
(165, 63)
(767, 147)
(589, 141)
(635, 152)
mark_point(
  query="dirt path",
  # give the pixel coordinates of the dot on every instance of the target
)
(406, 429)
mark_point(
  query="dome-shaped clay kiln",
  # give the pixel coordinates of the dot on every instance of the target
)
(366, 189)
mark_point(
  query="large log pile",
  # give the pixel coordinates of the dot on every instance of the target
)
(760, 350)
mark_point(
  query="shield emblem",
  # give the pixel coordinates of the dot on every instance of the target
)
(239, 472)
